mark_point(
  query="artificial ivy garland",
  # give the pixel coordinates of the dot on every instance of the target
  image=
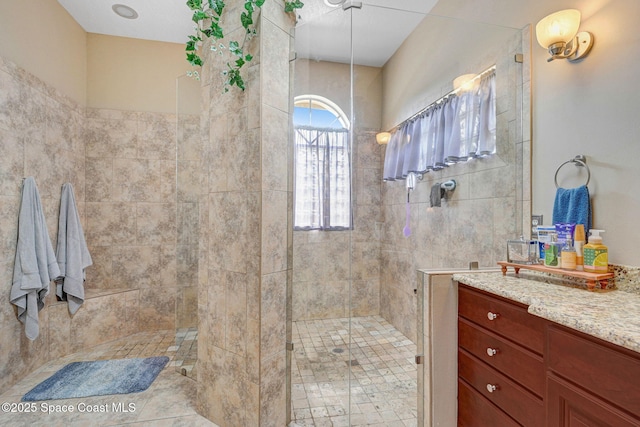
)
(206, 15)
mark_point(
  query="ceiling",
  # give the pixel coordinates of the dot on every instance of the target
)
(322, 32)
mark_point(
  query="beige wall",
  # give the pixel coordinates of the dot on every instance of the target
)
(331, 80)
(94, 70)
(43, 38)
(436, 52)
(591, 108)
(132, 74)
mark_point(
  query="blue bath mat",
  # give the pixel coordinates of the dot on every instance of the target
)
(99, 378)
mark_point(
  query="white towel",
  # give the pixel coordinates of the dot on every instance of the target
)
(35, 265)
(72, 252)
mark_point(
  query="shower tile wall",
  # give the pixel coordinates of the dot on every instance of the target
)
(244, 231)
(40, 136)
(475, 220)
(188, 192)
(131, 209)
(128, 213)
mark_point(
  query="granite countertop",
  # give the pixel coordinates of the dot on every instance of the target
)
(613, 316)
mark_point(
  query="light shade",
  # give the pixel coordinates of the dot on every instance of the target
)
(463, 82)
(383, 137)
(559, 27)
(124, 11)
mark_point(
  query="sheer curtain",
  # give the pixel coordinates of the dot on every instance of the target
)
(487, 113)
(459, 127)
(323, 179)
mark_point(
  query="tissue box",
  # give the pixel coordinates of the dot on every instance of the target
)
(522, 251)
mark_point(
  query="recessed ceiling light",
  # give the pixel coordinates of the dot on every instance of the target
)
(124, 11)
(333, 3)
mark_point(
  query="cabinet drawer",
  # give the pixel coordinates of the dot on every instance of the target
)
(476, 411)
(521, 405)
(608, 373)
(521, 365)
(504, 318)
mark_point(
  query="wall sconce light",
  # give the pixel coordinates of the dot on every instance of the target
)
(559, 34)
(383, 138)
(464, 82)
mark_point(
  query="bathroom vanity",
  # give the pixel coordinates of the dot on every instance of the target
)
(539, 354)
(507, 350)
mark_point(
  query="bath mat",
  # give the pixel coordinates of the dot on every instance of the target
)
(99, 378)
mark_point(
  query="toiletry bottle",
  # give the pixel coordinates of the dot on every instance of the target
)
(544, 237)
(578, 243)
(596, 257)
(551, 252)
(568, 256)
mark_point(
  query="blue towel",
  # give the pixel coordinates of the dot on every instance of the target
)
(573, 206)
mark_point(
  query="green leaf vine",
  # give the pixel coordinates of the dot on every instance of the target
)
(207, 15)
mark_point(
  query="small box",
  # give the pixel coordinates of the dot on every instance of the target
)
(522, 251)
(546, 234)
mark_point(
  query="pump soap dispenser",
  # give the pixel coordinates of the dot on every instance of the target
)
(596, 257)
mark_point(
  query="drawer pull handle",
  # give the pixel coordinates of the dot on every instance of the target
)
(491, 351)
(491, 388)
(492, 316)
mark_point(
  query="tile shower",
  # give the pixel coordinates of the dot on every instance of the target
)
(122, 166)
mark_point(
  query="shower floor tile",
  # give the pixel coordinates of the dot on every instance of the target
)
(186, 351)
(383, 374)
(170, 400)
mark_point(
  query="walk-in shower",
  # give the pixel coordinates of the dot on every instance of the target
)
(348, 364)
(354, 311)
(352, 325)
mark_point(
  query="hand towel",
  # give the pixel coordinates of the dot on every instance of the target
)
(573, 206)
(72, 252)
(437, 193)
(35, 264)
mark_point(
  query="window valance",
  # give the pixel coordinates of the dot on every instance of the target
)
(459, 127)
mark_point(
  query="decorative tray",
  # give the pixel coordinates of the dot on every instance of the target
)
(592, 279)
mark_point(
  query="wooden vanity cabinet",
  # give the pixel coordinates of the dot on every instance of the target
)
(590, 382)
(500, 360)
(515, 368)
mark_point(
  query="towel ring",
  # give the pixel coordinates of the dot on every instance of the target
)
(579, 160)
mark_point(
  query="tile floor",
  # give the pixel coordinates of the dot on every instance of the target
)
(186, 351)
(383, 381)
(169, 401)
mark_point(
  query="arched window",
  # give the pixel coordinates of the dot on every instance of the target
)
(322, 185)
